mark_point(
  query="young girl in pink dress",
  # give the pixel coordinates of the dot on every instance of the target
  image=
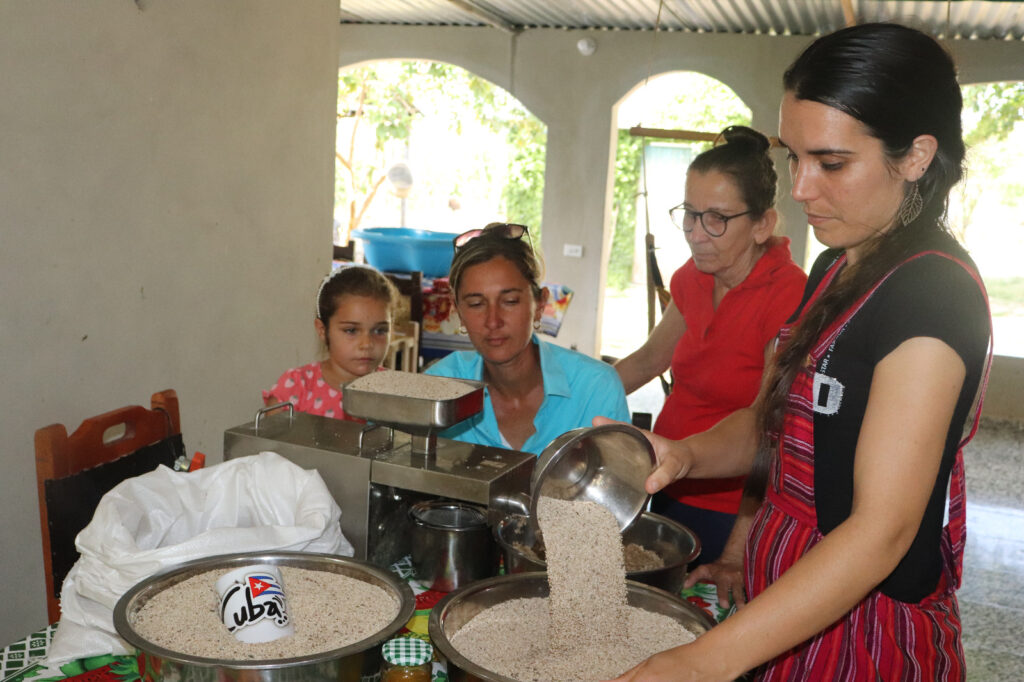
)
(354, 311)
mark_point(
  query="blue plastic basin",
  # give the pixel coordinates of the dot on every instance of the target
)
(404, 249)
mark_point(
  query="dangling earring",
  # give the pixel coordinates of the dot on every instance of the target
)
(536, 325)
(911, 206)
(463, 330)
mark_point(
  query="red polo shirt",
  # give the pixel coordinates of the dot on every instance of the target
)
(718, 361)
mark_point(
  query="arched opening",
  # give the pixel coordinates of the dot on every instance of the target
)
(650, 174)
(433, 146)
(986, 210)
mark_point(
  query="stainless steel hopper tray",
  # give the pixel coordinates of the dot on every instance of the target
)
(421, 417)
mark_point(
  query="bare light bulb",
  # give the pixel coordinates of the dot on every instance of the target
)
(586, 46)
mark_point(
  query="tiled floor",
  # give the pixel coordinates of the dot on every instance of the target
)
(992, 595)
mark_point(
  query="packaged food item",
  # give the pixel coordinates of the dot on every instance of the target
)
(406, 659)
(439, 316)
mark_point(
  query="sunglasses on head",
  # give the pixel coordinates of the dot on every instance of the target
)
(504, 230)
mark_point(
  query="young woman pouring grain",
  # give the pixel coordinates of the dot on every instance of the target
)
(536, 391)
(850, 572)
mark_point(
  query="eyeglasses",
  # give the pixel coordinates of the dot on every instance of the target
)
(713, 222)
(504, 230)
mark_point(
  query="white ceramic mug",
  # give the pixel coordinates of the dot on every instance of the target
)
(252, 604)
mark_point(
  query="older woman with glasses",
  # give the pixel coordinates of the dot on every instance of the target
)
(728, 302)
(536, 391)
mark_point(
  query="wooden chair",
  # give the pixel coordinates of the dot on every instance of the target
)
(404, 352)
(410, 287)
(74, 472)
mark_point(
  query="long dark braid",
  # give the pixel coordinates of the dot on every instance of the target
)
(900, 84)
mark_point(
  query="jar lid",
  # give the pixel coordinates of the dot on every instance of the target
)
(407, 651)
(448, 515)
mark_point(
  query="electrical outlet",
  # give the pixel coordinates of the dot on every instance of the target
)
(572, 250)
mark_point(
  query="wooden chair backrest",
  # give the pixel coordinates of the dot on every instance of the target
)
(59, 455)
(410, 287)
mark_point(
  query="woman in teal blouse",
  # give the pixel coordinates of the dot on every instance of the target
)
(536, 390)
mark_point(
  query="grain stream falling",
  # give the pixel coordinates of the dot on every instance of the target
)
(585, 630)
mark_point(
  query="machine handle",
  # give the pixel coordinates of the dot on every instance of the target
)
(375, 437)
(260, 413)
(510, 504)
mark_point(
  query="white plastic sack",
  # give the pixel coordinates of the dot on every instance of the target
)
(158, 520)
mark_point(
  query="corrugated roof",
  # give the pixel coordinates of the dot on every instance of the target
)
(973, 19)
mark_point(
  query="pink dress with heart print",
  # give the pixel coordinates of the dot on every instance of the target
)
(305, 388)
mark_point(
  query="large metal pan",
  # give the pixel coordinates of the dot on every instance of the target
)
(349, 663)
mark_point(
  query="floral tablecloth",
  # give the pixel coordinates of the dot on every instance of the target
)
(24, 660)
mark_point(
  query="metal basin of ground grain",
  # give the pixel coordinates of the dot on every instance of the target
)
(459, 607)
(673, 542)
(350, 663)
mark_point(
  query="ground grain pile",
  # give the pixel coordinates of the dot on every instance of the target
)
(585, 630)
(328, 611)
(640, 559)
(637, 557)
(511, 639)
(409, 385)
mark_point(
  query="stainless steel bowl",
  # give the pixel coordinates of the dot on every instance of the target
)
(349, 663)
(452, 545)
(455, 610)
(676, 544)
(604, 464)
(413, 415)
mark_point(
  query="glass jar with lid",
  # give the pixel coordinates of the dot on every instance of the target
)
(406, 659)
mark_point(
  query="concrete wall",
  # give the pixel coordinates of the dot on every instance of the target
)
(166, 201)
(576, 97)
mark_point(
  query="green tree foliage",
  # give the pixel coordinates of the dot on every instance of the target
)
(386, 97)
(988, 203)
(997, 108)
(524, 193)
(691, 101)
(526, 135)
(627, 189)
(681, 101)
(379, 101)
(991, 114)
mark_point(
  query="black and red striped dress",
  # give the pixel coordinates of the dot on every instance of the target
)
(884, 637)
